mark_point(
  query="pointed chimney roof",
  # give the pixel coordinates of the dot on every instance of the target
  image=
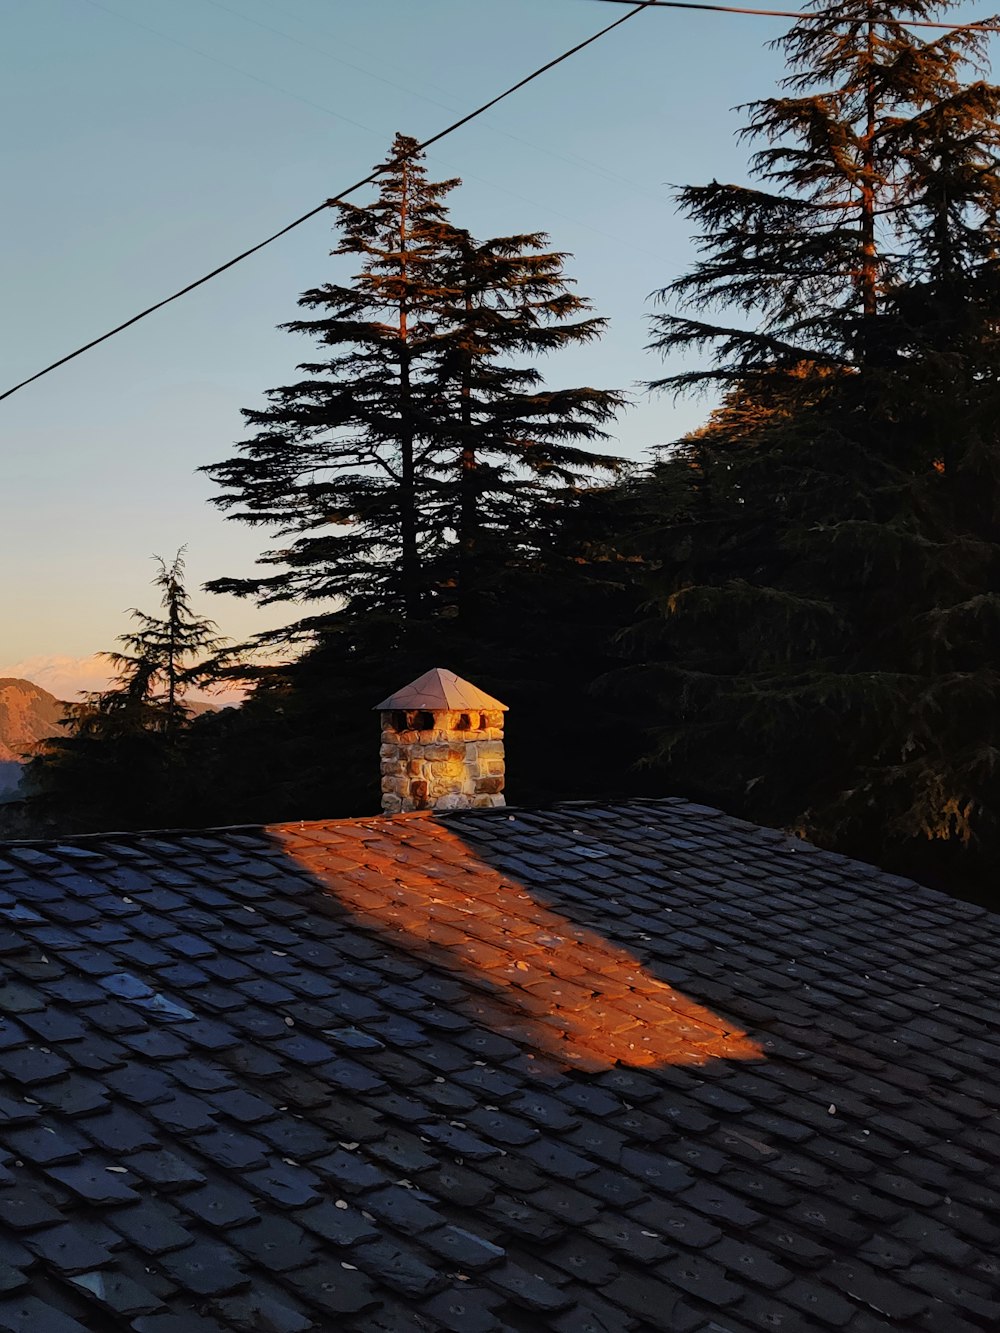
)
(440, 691)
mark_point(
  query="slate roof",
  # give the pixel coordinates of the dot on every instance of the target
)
(584, 1070)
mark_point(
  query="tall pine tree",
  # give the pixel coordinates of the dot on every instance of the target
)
(415, 442)
(831, 628)
(515, 441)
(121, 761)
(339, 461)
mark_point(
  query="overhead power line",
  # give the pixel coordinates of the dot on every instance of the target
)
(335, 199)
(803, 14)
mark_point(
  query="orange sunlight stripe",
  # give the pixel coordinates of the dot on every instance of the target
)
(534, 976)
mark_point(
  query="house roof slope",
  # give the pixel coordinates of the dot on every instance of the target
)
(641, 1067)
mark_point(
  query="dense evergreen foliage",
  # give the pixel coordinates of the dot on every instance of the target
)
(120, 762)
(827, 650)
(415, 449)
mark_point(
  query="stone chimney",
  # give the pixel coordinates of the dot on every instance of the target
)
(442, 746)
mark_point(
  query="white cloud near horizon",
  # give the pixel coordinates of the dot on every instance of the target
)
(66, 677)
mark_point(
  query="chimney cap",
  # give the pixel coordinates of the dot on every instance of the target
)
(440, 691)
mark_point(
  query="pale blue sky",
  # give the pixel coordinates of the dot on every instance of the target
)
(144, 141)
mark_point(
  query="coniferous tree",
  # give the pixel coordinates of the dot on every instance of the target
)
(516, 441)
(394, 460)
(832, 616)
(120, 762)
(340, 462)
(164, 656)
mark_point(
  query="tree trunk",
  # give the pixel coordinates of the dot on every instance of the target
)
(409, 553)
(468, 545)
(171, 662)
(869, 254)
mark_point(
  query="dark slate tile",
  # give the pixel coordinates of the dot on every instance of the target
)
(675, 1223)
(337, 1223)
(32, 1066)
(570, 1206)
(24, 1209)
(819, 1302)
(399, 1266)
(75, 1095)
(292, 1137)
(562, 1162)
(164, 1169)
(183, 1114)
(15, 1111)
(265, 1307)
(27, 1314)
(527, 1290)
(975, 1294)
(97, 1054)
(285, 1184)
(404, 1152)
(52, 1025)
(463, 1309)
(231, 1149)
(334, 1288)
(701, 1278)
(94, 1182)
(135, 1083)
(583, 1260)
(789, 1243)
(593, 1314)
(219, 1205)
(153, 1045)
(277, 1244)
(717, 1203)
(118, 1130)
(347, 1169)
(196, 1074)
(521, 1221)
(45, 1144)
(67, 1249)
(153, 1225)
(628, 1239)
(242, 1106)
(462, 1249)
(188, 1322)
(879, 1292)
(613, 1187)
(402, 1209)
(205, 1269)
(458, 1185)
(653, 1301)
(12, 1280)
(117, 1293)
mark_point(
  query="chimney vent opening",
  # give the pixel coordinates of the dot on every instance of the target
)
(464, 722)
(423, 722)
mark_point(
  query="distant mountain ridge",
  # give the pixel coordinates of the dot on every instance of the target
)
(28, 714)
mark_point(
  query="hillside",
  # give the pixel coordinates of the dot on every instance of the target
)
(28, 714)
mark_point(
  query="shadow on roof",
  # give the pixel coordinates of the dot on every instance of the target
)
(527, 971)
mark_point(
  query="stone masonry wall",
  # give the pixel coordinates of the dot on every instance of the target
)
(442, 761)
